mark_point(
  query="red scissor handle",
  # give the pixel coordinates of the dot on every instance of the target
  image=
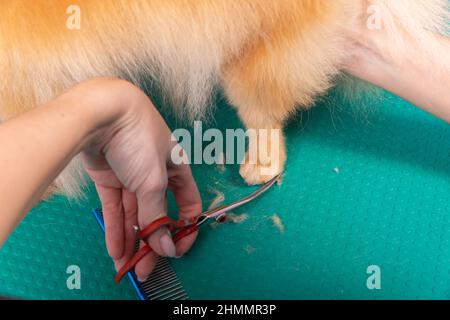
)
(184, 232)
(155, 225)
(152, 227)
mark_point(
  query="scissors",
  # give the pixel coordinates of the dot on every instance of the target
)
(182, 228)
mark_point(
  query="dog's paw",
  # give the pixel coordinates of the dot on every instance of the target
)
(261, 172)
(263, 161)
(255, 174)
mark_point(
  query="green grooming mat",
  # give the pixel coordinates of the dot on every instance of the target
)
(357, 191)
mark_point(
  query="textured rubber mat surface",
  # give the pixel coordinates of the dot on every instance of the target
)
(358, 191)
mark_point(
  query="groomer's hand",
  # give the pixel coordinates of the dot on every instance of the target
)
(125, 146)
(130, 163)
(417, 72)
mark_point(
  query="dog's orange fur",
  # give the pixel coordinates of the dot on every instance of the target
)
(270, 56)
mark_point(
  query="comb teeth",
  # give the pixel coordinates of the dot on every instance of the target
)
(163, 283)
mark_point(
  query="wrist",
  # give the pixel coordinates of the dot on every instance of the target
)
(373, 61)
(102, 105)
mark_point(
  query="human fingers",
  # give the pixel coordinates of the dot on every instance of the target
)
(187, 196)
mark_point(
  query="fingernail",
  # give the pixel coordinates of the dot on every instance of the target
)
(141, 279)
(167, 245)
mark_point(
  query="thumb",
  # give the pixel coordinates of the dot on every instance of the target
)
(151, 206)
(187, 196)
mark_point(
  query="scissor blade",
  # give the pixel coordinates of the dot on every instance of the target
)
(213, 213)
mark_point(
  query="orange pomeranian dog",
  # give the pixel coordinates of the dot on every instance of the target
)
(269, 56)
